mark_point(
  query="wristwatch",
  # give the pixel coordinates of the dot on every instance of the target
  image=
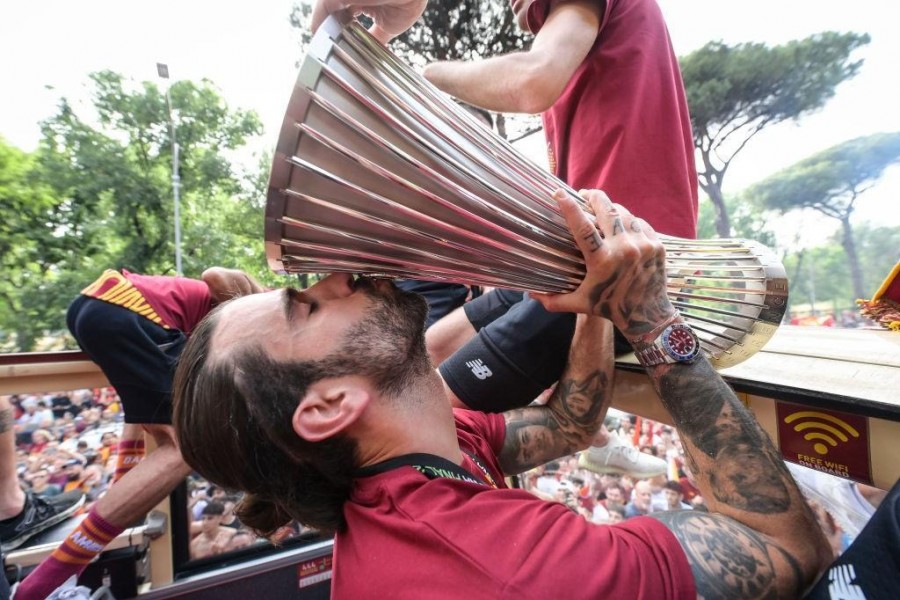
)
(677, 343)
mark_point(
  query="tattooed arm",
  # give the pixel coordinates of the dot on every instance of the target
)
(760, 540)
(570, 419)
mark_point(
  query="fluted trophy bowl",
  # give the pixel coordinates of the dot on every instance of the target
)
(378, 172)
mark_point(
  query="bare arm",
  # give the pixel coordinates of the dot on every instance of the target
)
(575, 411)
(760, 538)
(531, 81)
(448, 335)
(225, 284)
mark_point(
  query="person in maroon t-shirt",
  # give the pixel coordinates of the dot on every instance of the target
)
(338, 420)
(134, 327)
(607, 82)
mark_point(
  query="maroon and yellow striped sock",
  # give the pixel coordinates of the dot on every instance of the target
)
(70, 558)
(130, 454)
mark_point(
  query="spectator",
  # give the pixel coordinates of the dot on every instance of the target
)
(657, 497)
(76, 478)
(109, 443)
(39, 440)
(613, 494)
(31, 419)
(640, 504)
(674, 496)
(229, 519)
(61, 403)
(210, 494)
(616, 513)
(213, 538)
(240, 540)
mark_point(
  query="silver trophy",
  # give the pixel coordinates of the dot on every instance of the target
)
(378, 172)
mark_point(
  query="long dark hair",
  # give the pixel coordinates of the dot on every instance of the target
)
(236, 440)
(233, 417)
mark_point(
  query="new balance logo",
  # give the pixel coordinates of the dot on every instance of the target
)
(479, 369)
(841, 586)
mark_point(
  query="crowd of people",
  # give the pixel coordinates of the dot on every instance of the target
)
(67, 441)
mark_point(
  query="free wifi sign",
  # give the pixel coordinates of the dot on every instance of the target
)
(825, 440)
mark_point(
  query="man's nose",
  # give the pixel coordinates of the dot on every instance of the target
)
(334, 286)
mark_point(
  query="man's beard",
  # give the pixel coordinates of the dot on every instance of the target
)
(389, 343)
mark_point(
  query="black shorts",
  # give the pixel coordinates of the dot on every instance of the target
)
(513, 358)
(520, 350)
(136, 355)
(488, 308)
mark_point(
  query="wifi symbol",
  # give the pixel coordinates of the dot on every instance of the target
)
(825, 431)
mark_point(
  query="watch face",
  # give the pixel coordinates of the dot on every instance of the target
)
(681, 342)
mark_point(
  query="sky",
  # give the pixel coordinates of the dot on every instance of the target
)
(250, 51)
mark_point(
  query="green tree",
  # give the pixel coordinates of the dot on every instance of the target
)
(97, 194)
(822, 273)
(734, 92)
(117, 172)
(748, 221)
(28, 244)
(453, 30)
(830, 182)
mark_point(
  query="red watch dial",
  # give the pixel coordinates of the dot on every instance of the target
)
(680, 342)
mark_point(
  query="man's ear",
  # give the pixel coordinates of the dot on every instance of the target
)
(329, 407)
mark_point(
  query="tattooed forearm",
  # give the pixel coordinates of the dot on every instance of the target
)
(730, 560)
(581, 400)
(536, 435)
(748, 474)
(575, 410)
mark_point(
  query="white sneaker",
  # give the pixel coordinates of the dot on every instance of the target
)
(617, 456)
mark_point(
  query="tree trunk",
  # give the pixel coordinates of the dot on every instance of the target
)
(723, 224)
(793, 280)
(849, 245)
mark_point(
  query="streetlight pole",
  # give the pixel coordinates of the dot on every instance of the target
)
(163, 71)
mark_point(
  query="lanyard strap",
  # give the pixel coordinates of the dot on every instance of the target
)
(433, 467)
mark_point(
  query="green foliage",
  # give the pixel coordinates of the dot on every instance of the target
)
(825, 273)
(830, 181)
(747, 221)
(734, 92)
(97, 194)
